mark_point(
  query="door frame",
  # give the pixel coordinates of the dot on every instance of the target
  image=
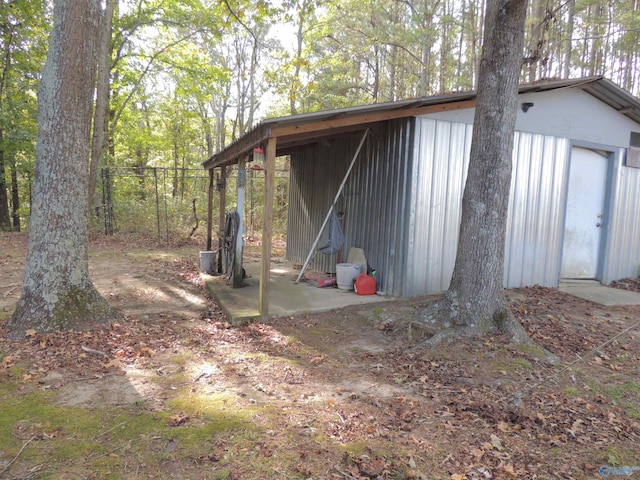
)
(610, 153)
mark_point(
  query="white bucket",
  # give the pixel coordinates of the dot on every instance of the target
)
(346, 274)
(208, 262)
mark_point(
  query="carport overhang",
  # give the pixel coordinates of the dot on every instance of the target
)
(286, 135)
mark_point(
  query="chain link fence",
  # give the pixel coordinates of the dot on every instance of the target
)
(172, 202)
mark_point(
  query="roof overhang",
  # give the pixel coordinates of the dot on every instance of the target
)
(297, 131)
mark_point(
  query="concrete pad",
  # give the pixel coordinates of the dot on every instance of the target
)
(286, 297)
(595, 292)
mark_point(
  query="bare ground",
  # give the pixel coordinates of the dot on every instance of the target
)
(345, 394)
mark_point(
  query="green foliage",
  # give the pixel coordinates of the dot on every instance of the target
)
(159, 201)
(23, 35)
(189, 77)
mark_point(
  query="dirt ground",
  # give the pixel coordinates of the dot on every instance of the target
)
(174, 392)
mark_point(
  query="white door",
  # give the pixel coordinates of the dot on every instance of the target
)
(585, 212)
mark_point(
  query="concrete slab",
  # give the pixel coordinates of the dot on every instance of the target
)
(595, 292)
(286, 297)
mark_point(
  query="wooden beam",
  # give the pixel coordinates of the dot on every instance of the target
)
(267, 226)
(222, 189)
(210, 211)
(368, 118)
(241, 187)
(238, 148)
(317, 136)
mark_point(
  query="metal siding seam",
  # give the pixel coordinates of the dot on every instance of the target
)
(402, 170)
(552, 154)
(615, 244)
(509, 240)
(535, 231)
(417, 279)
(412, 199)
(623, 252)
(407, 168)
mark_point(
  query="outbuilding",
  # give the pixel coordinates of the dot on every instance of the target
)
(574, 208)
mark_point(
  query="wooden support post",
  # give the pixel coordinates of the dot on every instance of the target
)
(222, 189)
(210, 211)
(267, 226)
(241, 189)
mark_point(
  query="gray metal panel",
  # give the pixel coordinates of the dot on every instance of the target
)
(374, 200)
(535, 225)
(403, 204)
(622, 255)
(439, 173)
(536, 206)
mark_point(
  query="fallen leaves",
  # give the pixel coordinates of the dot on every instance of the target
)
(178, 420)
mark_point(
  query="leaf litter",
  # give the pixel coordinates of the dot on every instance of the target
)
(326, 407)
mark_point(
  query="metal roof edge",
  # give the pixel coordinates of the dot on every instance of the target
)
(598, 86)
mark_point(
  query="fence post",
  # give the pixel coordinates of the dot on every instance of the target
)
(107, 201)
(155, 178)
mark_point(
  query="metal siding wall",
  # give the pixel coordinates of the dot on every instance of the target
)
(535, 225)
(308, 203)
(622, 255)
(536, 206)
(403, 197)
(440, 169)
(374, 199)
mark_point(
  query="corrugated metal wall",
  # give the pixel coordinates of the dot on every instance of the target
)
(374, 200)
(439, 173)
(622, 255)
(403, 200)
(535, 224)
(536, 206)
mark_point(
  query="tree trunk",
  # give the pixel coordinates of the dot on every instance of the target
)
(5, 219)
(475, 302)
(57, 292)
(101, 115)
(15, 195)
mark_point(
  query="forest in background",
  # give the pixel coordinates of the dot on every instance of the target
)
(179, 80)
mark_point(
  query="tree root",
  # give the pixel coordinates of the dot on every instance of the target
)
(447, 331)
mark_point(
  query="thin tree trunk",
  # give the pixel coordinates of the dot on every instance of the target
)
(537, 38)
(568, 46)
(5, 219)
(57, 292)
(15, 195)
(101, 114)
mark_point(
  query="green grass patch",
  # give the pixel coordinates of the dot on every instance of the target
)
(571, 391)
(513, 365)
(618, 457)
(626, 395)
(64, 438)
(532, 350)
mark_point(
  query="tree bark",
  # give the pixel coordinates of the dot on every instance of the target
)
(15, 195)
(475, 302)
(5, 219)
(101, 116)
(57, 292)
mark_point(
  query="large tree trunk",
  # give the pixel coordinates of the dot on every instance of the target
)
(57, 292)
(475, 302)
